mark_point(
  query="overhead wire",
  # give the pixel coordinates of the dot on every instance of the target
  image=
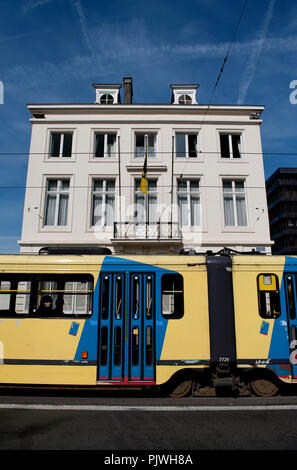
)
(114, 159)
(228, 52)
(129, 186)
(225, 60)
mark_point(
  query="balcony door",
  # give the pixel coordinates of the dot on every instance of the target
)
(145, 213)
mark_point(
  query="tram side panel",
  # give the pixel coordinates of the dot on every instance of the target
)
(261, 319)
(37, 349)
(185, 344)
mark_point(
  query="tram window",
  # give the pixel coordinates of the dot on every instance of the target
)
(69, 295)
(22, 300)
(103, 345)
(118, 297)
(105, 297)
(25, 294)
(135, 296)
(14, 296)
(5, 288)
(172, 296)
(149, 346)
(77, 298)
(117, 345)
(149, 297)
(268, 295)
(291, 298)
(135, 346)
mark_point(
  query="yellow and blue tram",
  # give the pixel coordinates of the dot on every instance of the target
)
(195, 323)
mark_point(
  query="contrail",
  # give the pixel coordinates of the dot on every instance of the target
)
(83, 24)
(250, 69)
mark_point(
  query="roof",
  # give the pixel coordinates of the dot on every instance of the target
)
(280, 172)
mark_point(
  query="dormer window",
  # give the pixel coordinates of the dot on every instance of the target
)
(106, 99)
(185, 99)
(184, 94)
(107, 94)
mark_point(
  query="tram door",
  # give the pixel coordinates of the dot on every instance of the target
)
(126, 327)
(291, 285)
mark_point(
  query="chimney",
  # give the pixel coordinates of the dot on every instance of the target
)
(128, 90)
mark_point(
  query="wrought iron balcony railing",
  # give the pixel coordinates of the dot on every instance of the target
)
(147, 230)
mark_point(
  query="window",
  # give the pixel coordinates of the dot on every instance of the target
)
(268, 296)
(103, 197)
(172, 295)
(106, 99)
(149, 346)
(185, 99)
(290, 288)
(117, 346)
(119, 295)
(105, 145)
(105, 300)
(104, 346)
(186, 145)
(56, 202)
(143, 141)
(14, 295)
(135, 346)
(188, 196)
(46, 295)
(69, 295)
(135, 296)
(230, 145)
(61, 144)
(149, 297)
(146, 205)
(235, 211)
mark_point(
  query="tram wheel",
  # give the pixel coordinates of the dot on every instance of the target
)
(181, 389)
(264, 387)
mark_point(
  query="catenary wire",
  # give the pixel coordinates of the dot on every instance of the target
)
(115, 159)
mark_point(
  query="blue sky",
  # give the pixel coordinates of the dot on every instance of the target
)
(53, 50)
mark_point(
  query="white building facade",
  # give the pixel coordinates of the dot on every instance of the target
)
(205, 176)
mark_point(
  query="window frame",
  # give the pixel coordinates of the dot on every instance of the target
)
(36, 279)
(106, 98)
(62, 134)
(106, 154)
(189, 196)
(58, 193)
(291, 295)
(185, 99)
(104, 195)
(187, 153)
(13, 278)
(231, 152)
(271, 290)
(140, 154)
(234, 195)
(152, 195)
(175, 315)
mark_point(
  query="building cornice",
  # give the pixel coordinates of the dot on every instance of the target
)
(144, 107)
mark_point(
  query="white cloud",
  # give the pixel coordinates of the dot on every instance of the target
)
(31, 4)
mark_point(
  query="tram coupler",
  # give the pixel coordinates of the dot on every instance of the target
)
(224, 382)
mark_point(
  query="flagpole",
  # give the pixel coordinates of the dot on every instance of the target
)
(172, 163)
(120, 184)
(146, 198)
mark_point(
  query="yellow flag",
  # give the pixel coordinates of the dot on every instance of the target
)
(143, 182)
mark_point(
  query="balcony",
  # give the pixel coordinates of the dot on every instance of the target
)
(147, 231)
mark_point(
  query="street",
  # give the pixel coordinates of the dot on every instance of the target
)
(111, 421)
